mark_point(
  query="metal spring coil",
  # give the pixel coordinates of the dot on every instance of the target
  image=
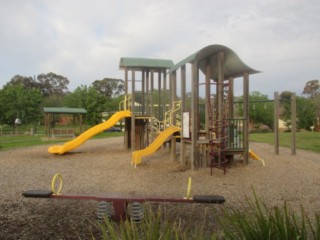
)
(105, 210)
(136, 212)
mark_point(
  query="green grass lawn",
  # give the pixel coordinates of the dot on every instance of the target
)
(16, 141)
(304, 140)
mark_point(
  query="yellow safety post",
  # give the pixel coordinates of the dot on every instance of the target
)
(189, 188)
(53, 188)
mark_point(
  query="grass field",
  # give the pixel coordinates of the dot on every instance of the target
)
(304, 140)
(16, 141)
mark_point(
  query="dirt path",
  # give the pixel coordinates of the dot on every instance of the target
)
(101, 166)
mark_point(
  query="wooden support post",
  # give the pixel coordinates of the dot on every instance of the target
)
(159, 95)
(143, 86)
(231, 97)
(147, 100)
(173, 98)
(126, 82)
(133, 128)
(293, 123)
(208, 98)
(231, 132)
(151, 109)
(194, 114)
(220, 110)
(276, 123)
(183, 109)
(164, 95)
(126, 133)
(246, 117)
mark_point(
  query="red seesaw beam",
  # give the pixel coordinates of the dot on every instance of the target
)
(120, 200)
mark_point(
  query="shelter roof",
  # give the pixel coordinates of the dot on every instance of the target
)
(233, 65)
(143, 63)
(64, 110)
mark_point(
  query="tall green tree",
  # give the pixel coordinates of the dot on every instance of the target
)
(260, 109)
(312, 88)
(48, 84)
(312, 91)
(306, 111)
(18, 102)
(52, 84)
(27, 82)
(90, 99)
(109, 87)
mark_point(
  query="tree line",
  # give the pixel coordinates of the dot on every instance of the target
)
(24, 98)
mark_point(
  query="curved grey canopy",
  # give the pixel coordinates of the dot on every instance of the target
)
(233, 65)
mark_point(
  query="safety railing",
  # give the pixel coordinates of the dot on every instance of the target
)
(169, 115)
(235, 132)
(124, 104)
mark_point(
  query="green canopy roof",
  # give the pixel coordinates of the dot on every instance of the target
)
(64, 110)
(140, 63)
(233, 65)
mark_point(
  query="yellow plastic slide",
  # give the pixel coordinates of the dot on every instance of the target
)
(68, 146)
(137, 155)
(255, 156)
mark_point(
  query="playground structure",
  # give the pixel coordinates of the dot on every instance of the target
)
(151, 107)
(153, 101)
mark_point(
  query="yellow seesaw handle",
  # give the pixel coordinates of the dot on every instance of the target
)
(189, 188)
(53, 188)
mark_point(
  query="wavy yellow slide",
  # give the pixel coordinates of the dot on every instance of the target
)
(137, 155)
(68, 146)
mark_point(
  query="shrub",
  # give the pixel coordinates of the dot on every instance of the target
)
(256, 221)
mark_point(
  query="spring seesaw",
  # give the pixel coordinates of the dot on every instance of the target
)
(115, 205)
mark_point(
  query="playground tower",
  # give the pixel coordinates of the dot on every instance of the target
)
(210, 134)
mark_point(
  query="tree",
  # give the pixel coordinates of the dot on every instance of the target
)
(88, 98)
(260, 109)
(312, 88)
(52, 83)
(109, 87)
(306, 110)
(18, 102)
(27, 82)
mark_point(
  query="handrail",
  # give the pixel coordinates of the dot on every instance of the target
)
(168, 116)
(125, 102)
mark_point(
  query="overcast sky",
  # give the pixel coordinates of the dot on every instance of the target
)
(84, 40)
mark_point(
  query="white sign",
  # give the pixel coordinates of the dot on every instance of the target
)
(186, 125)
